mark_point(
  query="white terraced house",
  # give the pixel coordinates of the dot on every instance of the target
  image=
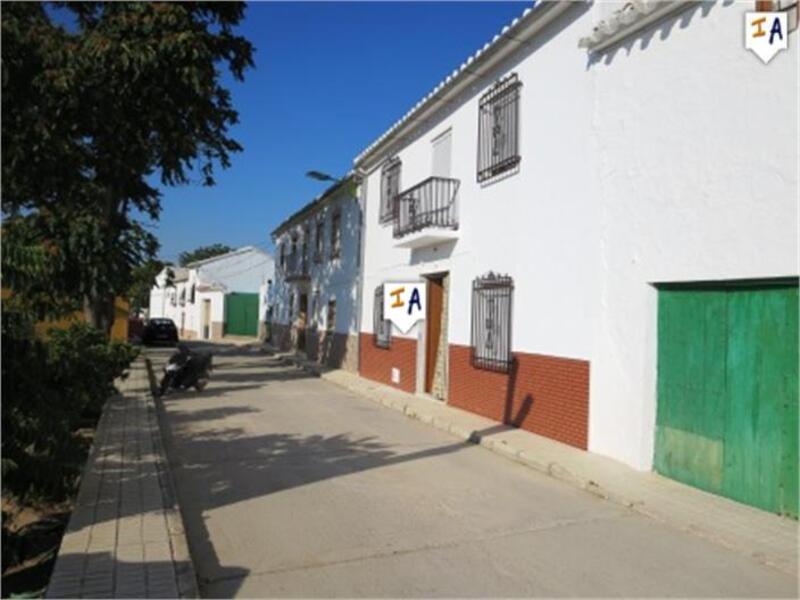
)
(603, 202)
(315, 296)
(221, 295)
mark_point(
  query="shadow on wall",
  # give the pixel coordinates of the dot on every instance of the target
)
(661, 28)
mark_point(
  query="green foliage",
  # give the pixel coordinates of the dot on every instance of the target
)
(91, 115)
(50, 388)
(202, 253)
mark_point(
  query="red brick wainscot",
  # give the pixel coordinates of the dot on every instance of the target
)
(547, 395)
(377, 363)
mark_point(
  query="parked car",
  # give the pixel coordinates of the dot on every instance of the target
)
(160, 330)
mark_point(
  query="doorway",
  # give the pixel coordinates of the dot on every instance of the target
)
(302, 314)
(436, 345)
(206, 319)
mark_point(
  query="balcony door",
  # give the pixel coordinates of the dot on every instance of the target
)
(442, 155)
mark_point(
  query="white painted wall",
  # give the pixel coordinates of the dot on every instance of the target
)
(536, 225)
(333, 279)
(697, 148)
(672, 158)
(245, 270)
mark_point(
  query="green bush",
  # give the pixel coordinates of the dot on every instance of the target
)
(51, 387)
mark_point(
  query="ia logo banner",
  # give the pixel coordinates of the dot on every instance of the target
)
(765, 33)
(404, 303)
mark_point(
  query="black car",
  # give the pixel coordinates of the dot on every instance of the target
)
(160, 331)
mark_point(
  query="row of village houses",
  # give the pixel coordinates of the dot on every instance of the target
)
(603, 204)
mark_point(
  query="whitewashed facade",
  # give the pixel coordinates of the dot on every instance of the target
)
(315, 295)
(196, 298)
(665, 154)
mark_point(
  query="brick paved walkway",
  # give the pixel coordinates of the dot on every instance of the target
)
(125, 538)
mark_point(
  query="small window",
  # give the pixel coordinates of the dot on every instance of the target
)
(319, 241)
(336, 234)
(491, 322)
(192, 295)
(183, 297)
(330, 323)
(382, 327)
(283, 256)
(498, 128)
(390, 188)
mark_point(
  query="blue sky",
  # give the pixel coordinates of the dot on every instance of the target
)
(330, 77)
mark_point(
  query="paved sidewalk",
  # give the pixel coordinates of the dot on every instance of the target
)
(770, 539)
(125, 537)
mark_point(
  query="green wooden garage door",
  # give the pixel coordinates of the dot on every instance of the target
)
(241, 314)
(727, 391)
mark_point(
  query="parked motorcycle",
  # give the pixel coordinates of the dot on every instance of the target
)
(186, 369)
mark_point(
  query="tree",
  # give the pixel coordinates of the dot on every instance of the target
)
(144, 278)
(90, 115)
(202, 253)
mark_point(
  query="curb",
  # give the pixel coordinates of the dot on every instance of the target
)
(185, 575)
(391, 398)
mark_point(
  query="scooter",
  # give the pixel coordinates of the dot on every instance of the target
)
(186, 369)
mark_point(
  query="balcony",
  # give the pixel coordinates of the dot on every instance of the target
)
(427, 214)
(296, 268)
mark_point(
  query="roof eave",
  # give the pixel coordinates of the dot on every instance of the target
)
(476, 67)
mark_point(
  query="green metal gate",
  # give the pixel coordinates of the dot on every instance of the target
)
(727, 391)
(241, 314)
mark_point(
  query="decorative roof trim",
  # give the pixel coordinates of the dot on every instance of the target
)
(470, 69)
(632, 17)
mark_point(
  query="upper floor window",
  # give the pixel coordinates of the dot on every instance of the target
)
(330, 321)
(498, 128)
(283, 256)
(319, 241)
(390, 188)
(192, 294)
(336, 234)
(491, 322)
(382, 327)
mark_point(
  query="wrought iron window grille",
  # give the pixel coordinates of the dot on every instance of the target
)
(498, 128)
(382, 336)
(336, 235)
(492, 297)
(390, 188)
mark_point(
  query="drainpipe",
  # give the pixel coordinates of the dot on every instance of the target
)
(361, 178)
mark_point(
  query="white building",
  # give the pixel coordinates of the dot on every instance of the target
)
(216, 296)
(316, 281)
(575, 213)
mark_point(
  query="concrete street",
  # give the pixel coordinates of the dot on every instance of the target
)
(292, 486)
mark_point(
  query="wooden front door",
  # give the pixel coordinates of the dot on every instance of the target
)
(433, 332)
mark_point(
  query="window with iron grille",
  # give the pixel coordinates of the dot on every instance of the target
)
(382, 327)
(390, 188)
(491, 322)
(336, 234)
(498, 128)
(330, 322)
(319, 241)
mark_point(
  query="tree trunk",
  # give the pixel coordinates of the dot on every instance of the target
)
(99, 312)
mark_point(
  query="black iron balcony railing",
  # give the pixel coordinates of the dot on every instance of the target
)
(430, 203)
(296, 267)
